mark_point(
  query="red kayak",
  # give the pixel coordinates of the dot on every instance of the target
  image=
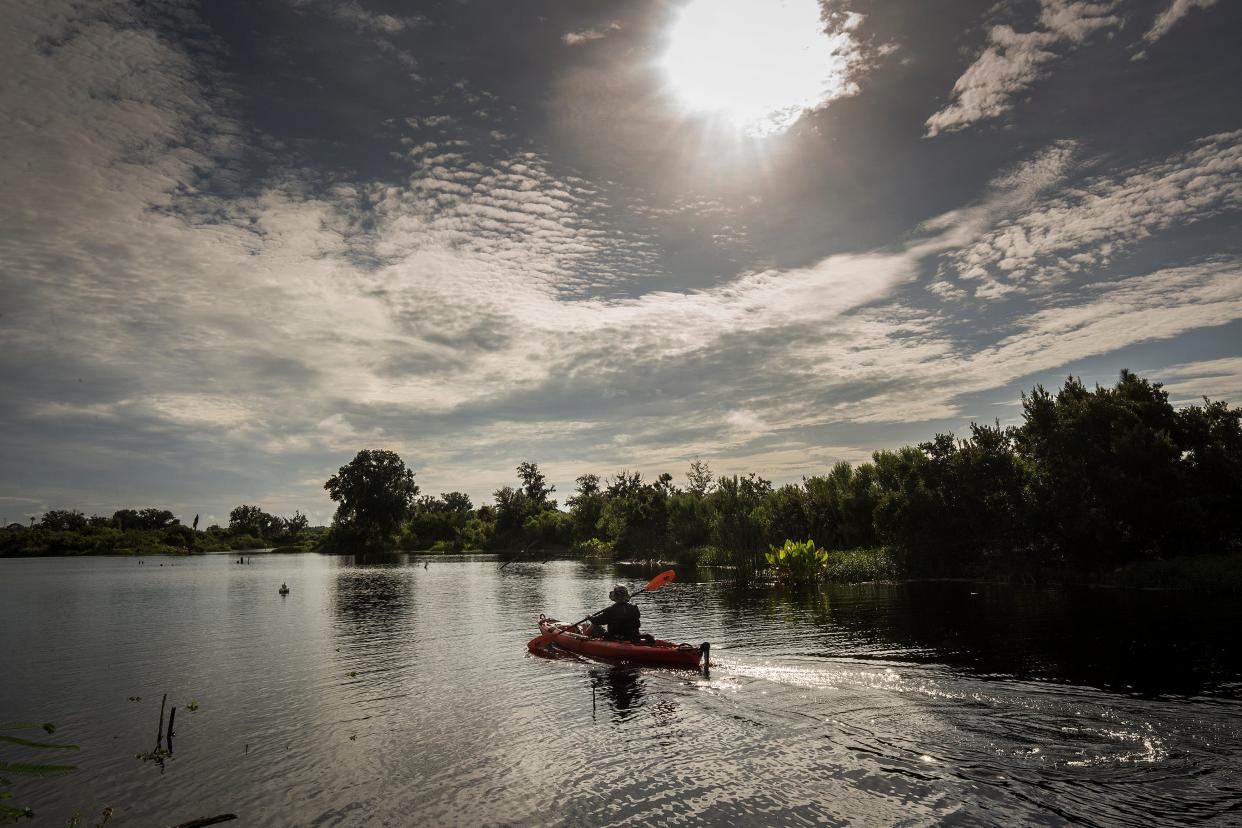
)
(664, 653)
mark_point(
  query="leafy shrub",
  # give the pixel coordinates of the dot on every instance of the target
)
(687, 556)
(593, 548)
(476, 534)
(549, 527)
(851, 566)
(407, 538)
(797, 562)
(178, 536)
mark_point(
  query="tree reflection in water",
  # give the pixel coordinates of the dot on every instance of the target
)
(373, 623)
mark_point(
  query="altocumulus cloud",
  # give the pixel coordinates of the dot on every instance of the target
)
(462, 314)
(1014, 60)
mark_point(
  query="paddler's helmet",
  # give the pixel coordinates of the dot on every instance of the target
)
(619, 593)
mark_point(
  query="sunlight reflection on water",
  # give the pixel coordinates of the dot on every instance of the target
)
(383, 692)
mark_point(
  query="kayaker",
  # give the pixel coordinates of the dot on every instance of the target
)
(621, 619)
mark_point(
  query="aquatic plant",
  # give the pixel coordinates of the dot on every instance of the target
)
(10, 813)
(797, 562)
(592, 548)
(105, 816)
(851, 566)
(157, 756)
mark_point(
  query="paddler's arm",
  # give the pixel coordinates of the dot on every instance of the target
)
(603, 617)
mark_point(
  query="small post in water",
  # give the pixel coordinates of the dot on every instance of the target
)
(159, 736)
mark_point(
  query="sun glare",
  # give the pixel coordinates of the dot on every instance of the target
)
(756, 64)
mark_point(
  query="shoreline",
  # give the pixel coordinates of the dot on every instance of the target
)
(1203, 574)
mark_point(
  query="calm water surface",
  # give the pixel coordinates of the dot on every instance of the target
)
(398, 691)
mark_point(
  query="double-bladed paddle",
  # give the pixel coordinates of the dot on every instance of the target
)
(652, 585)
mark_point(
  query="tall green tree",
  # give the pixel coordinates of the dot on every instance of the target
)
(690, 518)
(783, 515)
(738, 530)
(908, 512)
(635, 516)
(513, 507)
(535, 486)
(375, 494)
(586, 507)
(1210, 437)
(699, 477)
(439, 519)
(63, 520)
(1106, 470)
(457, 501)
(249, 520)
(151, 518)
(840, 507)
(296, 525)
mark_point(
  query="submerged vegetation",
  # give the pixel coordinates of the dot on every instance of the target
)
(1111, 484)
(23, 767)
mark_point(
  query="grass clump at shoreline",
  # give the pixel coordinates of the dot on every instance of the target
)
(849, 566)
(1201, 573)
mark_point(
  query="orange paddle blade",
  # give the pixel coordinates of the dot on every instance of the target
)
(659, 580)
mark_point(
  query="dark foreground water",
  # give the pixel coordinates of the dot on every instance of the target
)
(399, 692)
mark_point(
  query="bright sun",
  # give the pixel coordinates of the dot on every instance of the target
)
(757, 64)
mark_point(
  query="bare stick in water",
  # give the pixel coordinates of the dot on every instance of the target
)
(159, 737)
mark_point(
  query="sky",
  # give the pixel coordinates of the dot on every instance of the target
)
(241, 241)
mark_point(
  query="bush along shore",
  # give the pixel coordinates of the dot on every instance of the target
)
(1105, 485)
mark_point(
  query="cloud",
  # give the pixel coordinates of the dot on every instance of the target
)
(358, 17)
(1170, 16)
(355, 14)
(380, 26)
(485, 308)
(587, 35)
(457, 289)
(1092, 224)
(1103, 317)
(922, 377)
(1013, 61)
(1190, 382)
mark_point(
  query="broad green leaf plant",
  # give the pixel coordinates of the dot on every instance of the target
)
(797, 562)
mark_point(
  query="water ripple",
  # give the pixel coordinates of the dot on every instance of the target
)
(385, 693)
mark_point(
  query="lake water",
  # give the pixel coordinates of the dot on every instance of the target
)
(398, 691)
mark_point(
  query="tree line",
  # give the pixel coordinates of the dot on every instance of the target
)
(1092, 479)
(150, 531)
(1089, 481)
